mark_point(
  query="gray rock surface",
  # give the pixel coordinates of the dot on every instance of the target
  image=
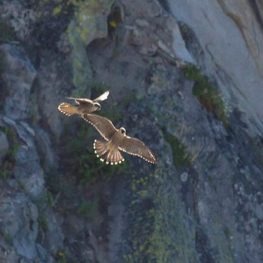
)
(18, 75)
(184, 77)
(4, 145)
(230, 35)
(19, 223)
(28, 172)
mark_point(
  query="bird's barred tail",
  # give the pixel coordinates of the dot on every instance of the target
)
(67, 108)
(105, 153)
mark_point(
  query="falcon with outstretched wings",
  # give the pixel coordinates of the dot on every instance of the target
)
(116, 141)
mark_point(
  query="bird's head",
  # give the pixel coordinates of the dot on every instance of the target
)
(97, 106)
(123, 131)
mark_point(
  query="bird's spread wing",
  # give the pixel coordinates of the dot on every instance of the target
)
(136, 147)
(103, 125)
(103, 96)
(67, 108)
(81, 100)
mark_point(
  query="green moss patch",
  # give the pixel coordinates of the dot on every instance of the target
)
(89, 209)
(159, 230)
(206, 93)
(7, 33)
(180, 155)
(8, 163)
(78, 157)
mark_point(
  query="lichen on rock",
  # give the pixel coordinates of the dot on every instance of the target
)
(89, 23)
(201, 202)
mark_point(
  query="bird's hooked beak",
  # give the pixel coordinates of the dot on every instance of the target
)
(122, 130)
(97, 105)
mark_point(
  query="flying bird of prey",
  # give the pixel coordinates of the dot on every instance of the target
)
(82, 105)
(116, 141)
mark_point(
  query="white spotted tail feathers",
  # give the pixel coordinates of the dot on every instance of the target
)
(67, 109)
(105, 151)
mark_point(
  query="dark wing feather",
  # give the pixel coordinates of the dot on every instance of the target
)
(136, 147)
(103, 125)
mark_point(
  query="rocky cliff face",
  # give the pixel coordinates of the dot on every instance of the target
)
(185, 77)
(230, 36)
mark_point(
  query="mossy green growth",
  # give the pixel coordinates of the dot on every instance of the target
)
(7, 166)
(2, 63)
(87, 25)
(47, 199)
(160, 231)
(206, 93)
(7, 33)
(180, 156)
(57, 10)
(81, 69)
(172, 236)
(99, 87)
(112, 113)
(42, 221)
(96, 88)
(114, 19)
(61, 257)
(8, 238)
(79, 158)
(88, 209)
